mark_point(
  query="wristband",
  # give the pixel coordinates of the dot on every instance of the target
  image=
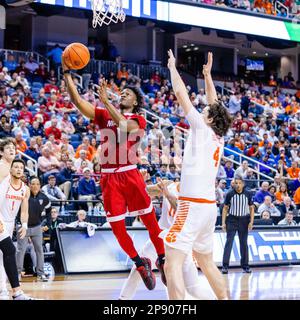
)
(67, 72)
(25, 225)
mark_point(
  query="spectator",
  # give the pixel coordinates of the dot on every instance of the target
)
(242, 170)
(36, 129)
(31, 65)
(182, 124)
(66, 125)
(65, 178)
(42, 72)
(10, 63)
(297, 197)
(250, 180)
(261, 194)
(80, 126)
(87, 189)
(47, 163)
(32, 151)
(172, 173)
(53, 130)
(293, 172)
(272, 191)
(26, 115)
(288, 220)
(286, 206)
(269, 206)
(229, 169)
(122, 74)
(281, 193)
(82, 157)
(49, 226)
(20, 142)
(55, 54)
(90, 152)
(53, 192)
(234, 103)
(81, 223)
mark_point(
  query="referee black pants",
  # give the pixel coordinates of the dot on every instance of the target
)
(237, 224)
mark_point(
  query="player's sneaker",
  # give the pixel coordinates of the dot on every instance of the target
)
(146, 273)
(4, 294)
(160, 267)
(42, 278)
(20, 295)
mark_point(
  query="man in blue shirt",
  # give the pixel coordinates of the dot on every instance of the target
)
(56, 54)
(87, 188)
(262, 193)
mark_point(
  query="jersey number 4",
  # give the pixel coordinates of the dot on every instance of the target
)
(217, 156)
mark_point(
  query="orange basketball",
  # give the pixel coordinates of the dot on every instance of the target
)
(76, 55)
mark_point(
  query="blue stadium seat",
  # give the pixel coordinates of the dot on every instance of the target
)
(75, 137)
(75, 144)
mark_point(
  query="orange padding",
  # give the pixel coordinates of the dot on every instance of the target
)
(196, 200)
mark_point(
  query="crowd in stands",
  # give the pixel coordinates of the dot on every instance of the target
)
(36, 110)
(259, 6)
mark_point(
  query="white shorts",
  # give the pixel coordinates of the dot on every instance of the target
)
(193, 227)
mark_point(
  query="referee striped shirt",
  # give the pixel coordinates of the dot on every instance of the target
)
(238, 203)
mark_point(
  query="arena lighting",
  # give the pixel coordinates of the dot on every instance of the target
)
(266, 54)
(254, 52)
(192, 44)
(184, 46)
(196, 48)
(188, 49)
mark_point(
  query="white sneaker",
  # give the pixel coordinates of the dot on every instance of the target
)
(42, 278)
(4, 294)
(22, 296)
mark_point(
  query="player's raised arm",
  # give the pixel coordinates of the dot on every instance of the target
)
(210, 89)
(178, 85)
(86, 108)
(125, 125)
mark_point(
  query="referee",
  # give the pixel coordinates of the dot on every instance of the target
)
(38, 201)
(238, 203)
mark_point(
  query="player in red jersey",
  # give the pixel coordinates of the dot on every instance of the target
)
(123, 186)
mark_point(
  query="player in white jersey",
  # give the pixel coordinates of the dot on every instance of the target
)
(196, 214)
(7, 155)
(14, 194)
(170, 192)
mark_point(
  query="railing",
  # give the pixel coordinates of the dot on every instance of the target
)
(24, 55)
(279, 5)
(33, 171)
(79, 77)
(140, 70)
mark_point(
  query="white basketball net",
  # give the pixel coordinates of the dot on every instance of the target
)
(107, 11)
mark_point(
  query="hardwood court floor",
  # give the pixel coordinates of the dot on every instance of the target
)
(264, 283)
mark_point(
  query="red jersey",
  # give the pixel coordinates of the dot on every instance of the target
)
(118, 149)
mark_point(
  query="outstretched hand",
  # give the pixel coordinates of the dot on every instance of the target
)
(103, 91)
(172, 60)
(207, 67)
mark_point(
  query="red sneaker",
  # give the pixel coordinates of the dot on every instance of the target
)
(147, 274)
(160, 267)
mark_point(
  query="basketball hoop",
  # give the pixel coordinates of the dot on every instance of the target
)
(107, 11)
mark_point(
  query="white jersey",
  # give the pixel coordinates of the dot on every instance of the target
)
(201, 159)
(10, 200)
(167, 213)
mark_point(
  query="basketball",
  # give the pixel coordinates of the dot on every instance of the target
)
(76, 55)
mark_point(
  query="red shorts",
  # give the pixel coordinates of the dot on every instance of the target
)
(124, 193)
